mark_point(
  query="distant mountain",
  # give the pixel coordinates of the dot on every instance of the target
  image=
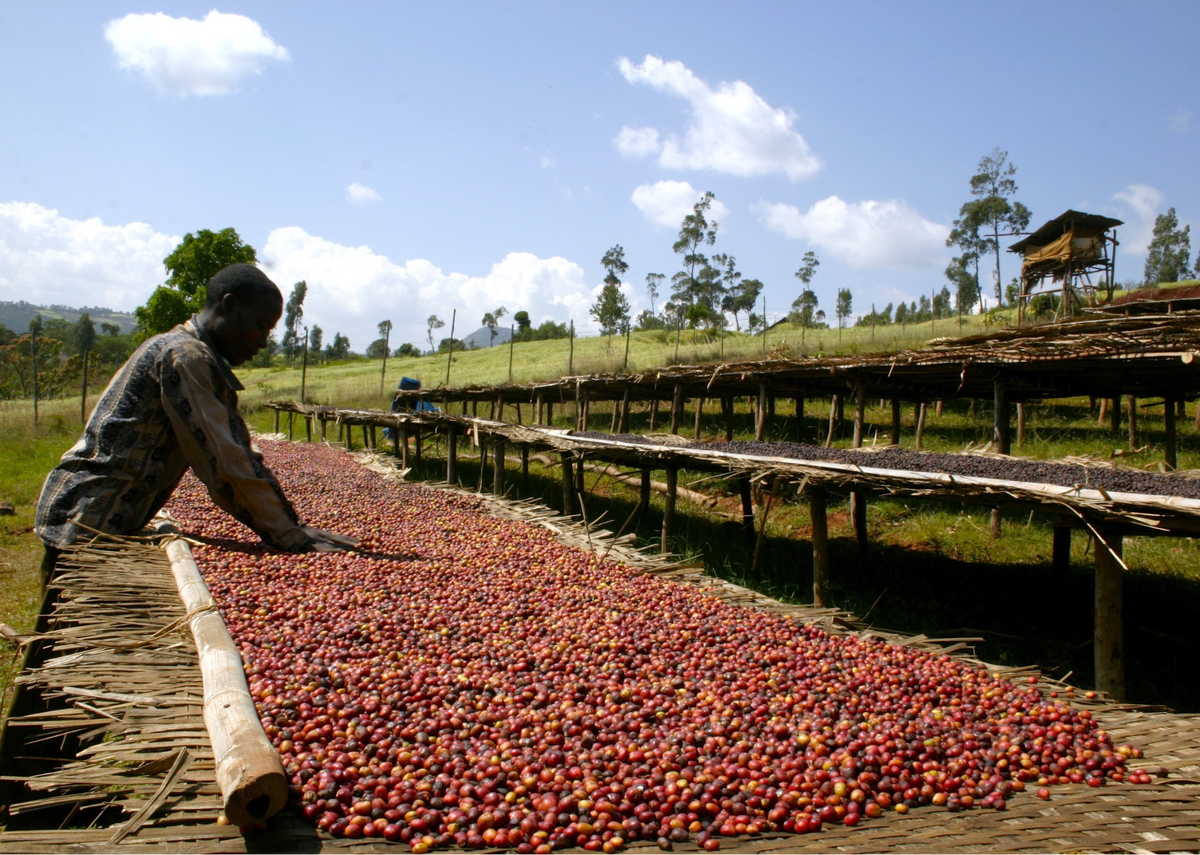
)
(482, 338)
(16, 316)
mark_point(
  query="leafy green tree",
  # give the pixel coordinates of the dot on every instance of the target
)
(315, 339)
(648, 320)
(966, 284)
(698, 285)
(407, 349)
(742, 298)
(190, 265)
(808, 268)
(444, 345)
(376, 349)
(293, 314)
(524, 324)
(941, 303)
(491, 320)
(109, 329)
(431, 324)
(990, 214)
(653, 282)
(844, 306)
(611, 309)
(339, 348)
(901, 313)
(1169, 251)
(804, 309)
(85, 340)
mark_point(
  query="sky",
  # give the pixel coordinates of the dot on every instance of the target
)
(414, 159)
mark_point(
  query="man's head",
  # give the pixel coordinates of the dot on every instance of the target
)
(243, 307)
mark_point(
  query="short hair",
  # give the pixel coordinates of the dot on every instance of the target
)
(244, 281)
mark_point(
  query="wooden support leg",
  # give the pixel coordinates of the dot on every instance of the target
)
(417, 447)
(519, 421)
(403, 448)
(1169, 430)
(1001, 419)
(308, 428)
(644, 492)
(833, 419)
(653, 414)
(290, 420)
(938, 409)
(374, 438)
(539, 410)
(669, 508)
(277, 421)
(747, 510)
(349, 437)
(452, 457)
(676, 407)
(525, 467)
(587, 411)
(1103, 412)
(616, 418)
(623, 424)
(895, 421)
(760, 421)
(799, 420)
(1021, 425)
(1109, 640)
(820, 546)
(366, 432)
(1061, 551)
(860, 413)
(498, 466)
(1114, 414)
(858, 513)
(324, 429)
(699, 417)
(1131, 402)
(396, 442)
(727, 411)
(568, 484)
(995, 523)
(920, 425)
(549, 413)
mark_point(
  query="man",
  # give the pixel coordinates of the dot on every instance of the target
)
(172, 406)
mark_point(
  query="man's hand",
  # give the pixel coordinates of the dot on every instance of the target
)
(325, 541)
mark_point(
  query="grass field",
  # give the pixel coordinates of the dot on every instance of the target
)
(929, 564)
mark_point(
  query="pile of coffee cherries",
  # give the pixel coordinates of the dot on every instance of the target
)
(467, 680)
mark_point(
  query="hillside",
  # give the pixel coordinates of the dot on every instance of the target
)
(16, 316)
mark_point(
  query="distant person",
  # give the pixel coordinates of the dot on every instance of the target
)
(174, 405)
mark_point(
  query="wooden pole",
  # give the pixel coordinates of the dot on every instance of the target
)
(669, 507)
(1021, 424)
(860, 413)
(699, 417)
(676, 407)
(308, 428)
(653, 414)
(417, 440)
(920, 425)
(616, 417)
(799, 419)
(324, 428)
(1114, 413)
(727, 411)
(820, 546)
(498, 466)
(568, 484)
(1109, 640)
(760, 413)
(451, 457)
(540, 410)
(895, 421)
(1169, 430)
(450, 350)
(403, 433)
(525, 466)
(623, 424)
(587, 410)
(1001, 418)
(995, 525)
(249, 773)
(549, 413)
(644, 491)
(1103, 412)
(833, 408)
(571, 354)
(1131, 402)
(512, 343)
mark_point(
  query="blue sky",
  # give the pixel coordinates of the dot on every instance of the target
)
(409, 159)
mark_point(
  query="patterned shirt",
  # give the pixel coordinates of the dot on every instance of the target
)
(171, 406)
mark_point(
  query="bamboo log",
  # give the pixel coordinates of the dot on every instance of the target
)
(1109, 639)
(248, 769)
(820, 546)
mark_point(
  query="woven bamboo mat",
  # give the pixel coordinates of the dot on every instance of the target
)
(124, 680)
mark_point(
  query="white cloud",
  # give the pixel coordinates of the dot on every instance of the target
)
(352, 289)
(1145, 202)
(182, 56)
(637, 142)
(546, 161)
(48, 258)
(666, 203)
(360, 194)
(871, 234)
(1180, 120)
(732, 129)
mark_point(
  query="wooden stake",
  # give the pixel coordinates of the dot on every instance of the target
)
(820, 546)
(920, 424)
(623, 424)
(858, 513)
(308, 428)
(403, 447)
(568, 484)
(676, 407)
(539, 410)
(747, 509)
(1109, 639)
(1001, 419)
(699, 416)
(653, 414)
(1021, 424)
(995, 529)
(760, 413)
(1131, 402)
(860, 413)
(498, 466)
(833, 410)
(1103, 412)
(669, 508)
